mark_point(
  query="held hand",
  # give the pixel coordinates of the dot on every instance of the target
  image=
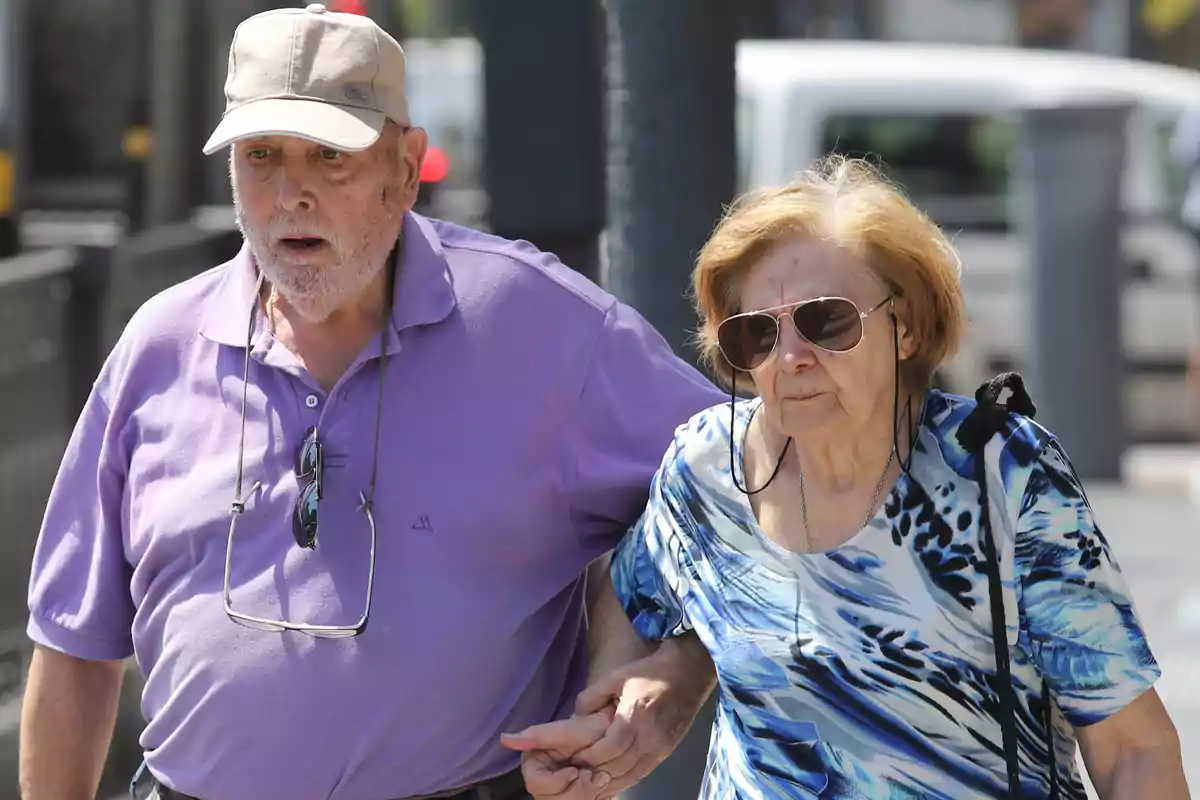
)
(547, 753)
(656, 699)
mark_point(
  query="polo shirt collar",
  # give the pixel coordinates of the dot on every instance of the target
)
(424, 291)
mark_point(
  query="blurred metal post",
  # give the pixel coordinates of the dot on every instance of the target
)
(544, 124)
(17, 59)
(168, 185)
(223, 18)
(672, 157)
(1109, 27)
(137, 143)
(671, 170)
(1074, 160)
(89, 285)
(386, 14)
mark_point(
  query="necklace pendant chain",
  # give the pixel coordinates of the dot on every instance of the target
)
(871, 508)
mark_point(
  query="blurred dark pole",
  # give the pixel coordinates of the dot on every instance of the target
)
(1142, 44)
(89, 282)
(759, 19)
(544, 124)
(387, 16)
(671, 157)
(859, 19)
(18, 61)
(1074, 159)
(138, 144)
(168, 180)
(797, 18)
(223, 17)
(672, 170)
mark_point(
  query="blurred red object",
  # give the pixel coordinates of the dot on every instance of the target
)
(436, 165)
(349, 7)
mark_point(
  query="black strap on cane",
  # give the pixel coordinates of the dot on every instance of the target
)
(981, 425)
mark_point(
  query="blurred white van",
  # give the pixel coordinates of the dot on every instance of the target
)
(944, 119)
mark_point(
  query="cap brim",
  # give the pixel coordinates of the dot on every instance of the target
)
(340, 127)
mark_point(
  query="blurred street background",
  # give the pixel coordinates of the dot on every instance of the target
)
(1054, 139)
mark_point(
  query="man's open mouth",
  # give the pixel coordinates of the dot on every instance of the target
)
(302, 244)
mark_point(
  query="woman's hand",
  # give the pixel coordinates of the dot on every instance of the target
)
(648, 705)
(548, 754)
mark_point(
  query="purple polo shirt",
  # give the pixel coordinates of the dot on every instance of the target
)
(524, 413)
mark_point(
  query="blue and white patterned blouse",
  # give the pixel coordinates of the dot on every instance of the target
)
(867, 671)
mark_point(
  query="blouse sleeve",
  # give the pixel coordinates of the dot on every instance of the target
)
(1084, 632)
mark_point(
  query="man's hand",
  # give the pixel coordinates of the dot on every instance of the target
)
(654, 701)
(547, 753)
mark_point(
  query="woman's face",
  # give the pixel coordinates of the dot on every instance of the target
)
(809, 392)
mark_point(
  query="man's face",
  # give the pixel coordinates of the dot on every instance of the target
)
(321, 222)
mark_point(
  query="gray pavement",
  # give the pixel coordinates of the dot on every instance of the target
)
(1156, 538)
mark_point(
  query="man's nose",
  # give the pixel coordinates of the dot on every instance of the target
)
(295, 193)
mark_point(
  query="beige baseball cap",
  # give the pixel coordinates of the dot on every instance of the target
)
(310, 72)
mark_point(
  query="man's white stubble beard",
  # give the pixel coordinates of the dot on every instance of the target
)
(315, 291)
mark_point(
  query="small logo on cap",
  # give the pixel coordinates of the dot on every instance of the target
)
(356, 93)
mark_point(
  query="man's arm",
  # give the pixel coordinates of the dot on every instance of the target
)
(1135, 753)
(67, 721)
(80, 615)
(613, 642)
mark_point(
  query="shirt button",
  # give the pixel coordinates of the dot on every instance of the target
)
(311, 401)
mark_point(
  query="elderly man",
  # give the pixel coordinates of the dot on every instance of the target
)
(339, 495)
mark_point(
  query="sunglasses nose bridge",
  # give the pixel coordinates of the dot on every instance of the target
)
(791, 345)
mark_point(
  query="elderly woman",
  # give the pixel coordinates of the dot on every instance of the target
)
(825, 539)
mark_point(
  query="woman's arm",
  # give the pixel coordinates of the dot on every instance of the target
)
(1135, 753)
(1088, 642)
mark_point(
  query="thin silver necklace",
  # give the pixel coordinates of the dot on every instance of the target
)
(870, 509)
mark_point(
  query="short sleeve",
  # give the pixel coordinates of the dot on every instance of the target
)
(79, 586)
(651, 566)
(1084, 631)
(636, 393)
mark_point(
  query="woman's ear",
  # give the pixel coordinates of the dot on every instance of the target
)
(898, 311)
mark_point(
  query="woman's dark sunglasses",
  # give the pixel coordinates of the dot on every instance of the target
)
(833, 324)
(309, 468)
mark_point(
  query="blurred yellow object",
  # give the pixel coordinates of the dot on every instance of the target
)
(6, 183)
(1163, 16)
(137, 142)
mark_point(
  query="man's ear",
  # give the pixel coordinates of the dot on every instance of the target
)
(413, 144)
